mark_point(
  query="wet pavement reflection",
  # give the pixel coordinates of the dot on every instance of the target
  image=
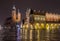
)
(40, 35)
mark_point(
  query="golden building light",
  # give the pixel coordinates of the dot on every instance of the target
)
(36, 25)
(51, 17)
(51, 26)
(26, 26)
(56, 17)
(59, 17)
(47, 17)
(16, 17)
(47, 26)
(42, 25)
(23, 26)
(56, 26)
(31, 25)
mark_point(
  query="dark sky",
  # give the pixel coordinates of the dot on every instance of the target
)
(46, 5)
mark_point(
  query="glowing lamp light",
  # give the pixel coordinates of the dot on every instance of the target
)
(52, 27)
(23, 26)
(36, 25)
(47, 26)
(27, 25)
(42, 25)
(31, 26)
(56, 26)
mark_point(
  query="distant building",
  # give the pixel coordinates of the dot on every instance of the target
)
(37, 21)
(34, 20)
(10, 29)
(42, 18)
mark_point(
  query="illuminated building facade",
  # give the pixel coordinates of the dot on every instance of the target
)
(40, 21)
(12, 26)
(34, 27)
(42, 18)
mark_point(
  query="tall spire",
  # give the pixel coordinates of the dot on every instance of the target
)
(18, 11)
(19, 15)
(14, 8)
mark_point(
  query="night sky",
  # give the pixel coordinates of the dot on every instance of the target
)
(46, 5)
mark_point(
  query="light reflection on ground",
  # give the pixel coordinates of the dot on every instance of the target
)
(40, 35)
